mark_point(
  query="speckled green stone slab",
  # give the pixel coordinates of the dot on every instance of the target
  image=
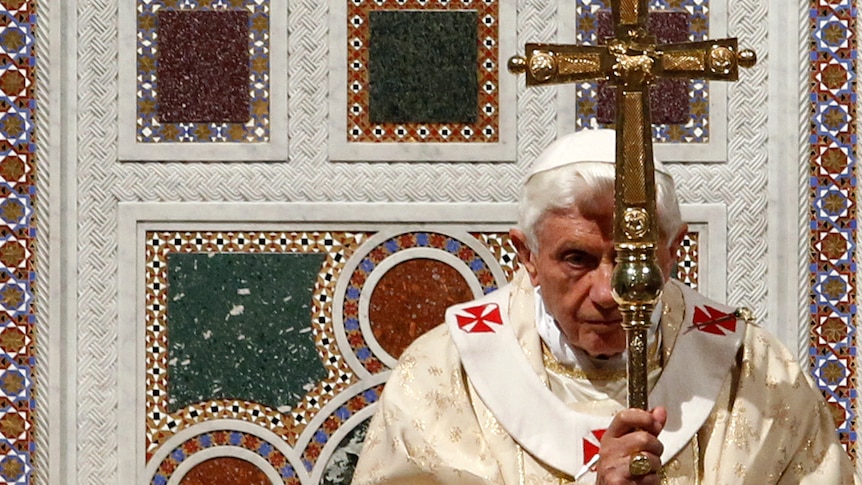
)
(423, 66)
(239, 327)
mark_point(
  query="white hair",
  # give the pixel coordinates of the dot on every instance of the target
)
(580, 185)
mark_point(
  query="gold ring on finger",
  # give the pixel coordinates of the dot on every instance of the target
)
(640, 465)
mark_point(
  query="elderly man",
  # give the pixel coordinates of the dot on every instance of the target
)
(527, 385)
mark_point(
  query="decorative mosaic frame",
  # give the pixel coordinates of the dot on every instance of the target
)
(834, 215)
(161, 426)
(297, 444)
(256, 130)
(238, 442)
(696, 129)
(353, 137)
(18, 283)
(486, 128)
(340, 248)
(336, 407)
(263, 137)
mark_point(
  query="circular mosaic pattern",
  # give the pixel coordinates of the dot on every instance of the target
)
(411, 298)
(334, 421)
(261, 447)
(373, 258)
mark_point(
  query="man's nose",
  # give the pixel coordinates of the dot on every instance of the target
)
(600, 287)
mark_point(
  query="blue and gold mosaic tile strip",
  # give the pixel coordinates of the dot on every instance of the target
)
(207, 441)
(17, 240)
(833, 222)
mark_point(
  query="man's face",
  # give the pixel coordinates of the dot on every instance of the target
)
(573, 266)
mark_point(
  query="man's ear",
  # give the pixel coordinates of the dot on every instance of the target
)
(526, 257)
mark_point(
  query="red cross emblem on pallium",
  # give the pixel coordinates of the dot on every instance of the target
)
(712, 320)
(479, 319)
(592, 449)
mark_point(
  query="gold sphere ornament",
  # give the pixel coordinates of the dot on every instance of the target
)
(747, 58)
(517, 65)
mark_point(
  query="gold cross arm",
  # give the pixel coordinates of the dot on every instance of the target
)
(715, 60)
(561, 63)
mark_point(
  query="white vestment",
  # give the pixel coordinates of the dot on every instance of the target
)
(479, 401)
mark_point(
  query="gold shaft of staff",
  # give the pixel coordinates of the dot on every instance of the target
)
(629, 14)
(637, 280)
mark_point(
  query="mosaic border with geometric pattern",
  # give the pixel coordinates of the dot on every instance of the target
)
(339, 247)
(492, 137)
(486, 128)
(256, 129)
(833, 211)
(161, 423)
(204, 441)
(18, 397)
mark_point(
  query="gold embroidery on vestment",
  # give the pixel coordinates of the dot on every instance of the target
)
(562, 478)
(551, 363)
(741, 431)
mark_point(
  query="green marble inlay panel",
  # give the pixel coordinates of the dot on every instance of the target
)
(239, 327)
(423, 66)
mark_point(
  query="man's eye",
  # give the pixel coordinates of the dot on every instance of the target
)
(578, 259)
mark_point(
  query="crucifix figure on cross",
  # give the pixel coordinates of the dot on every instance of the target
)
(632, 61)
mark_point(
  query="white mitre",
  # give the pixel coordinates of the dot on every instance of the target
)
(582, 146)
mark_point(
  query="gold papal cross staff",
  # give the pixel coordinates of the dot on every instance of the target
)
(632, 61)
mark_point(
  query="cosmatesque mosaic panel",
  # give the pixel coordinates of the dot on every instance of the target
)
(833, 234)
(203, 71)
(448, 125)
(833, 210)
(314, 437)
(592, 97)
(17, 240)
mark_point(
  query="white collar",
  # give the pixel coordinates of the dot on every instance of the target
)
(565, 354)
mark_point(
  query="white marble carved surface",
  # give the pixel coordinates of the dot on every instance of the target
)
(85, 182)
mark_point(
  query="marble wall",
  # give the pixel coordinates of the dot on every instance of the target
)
(222, 220)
